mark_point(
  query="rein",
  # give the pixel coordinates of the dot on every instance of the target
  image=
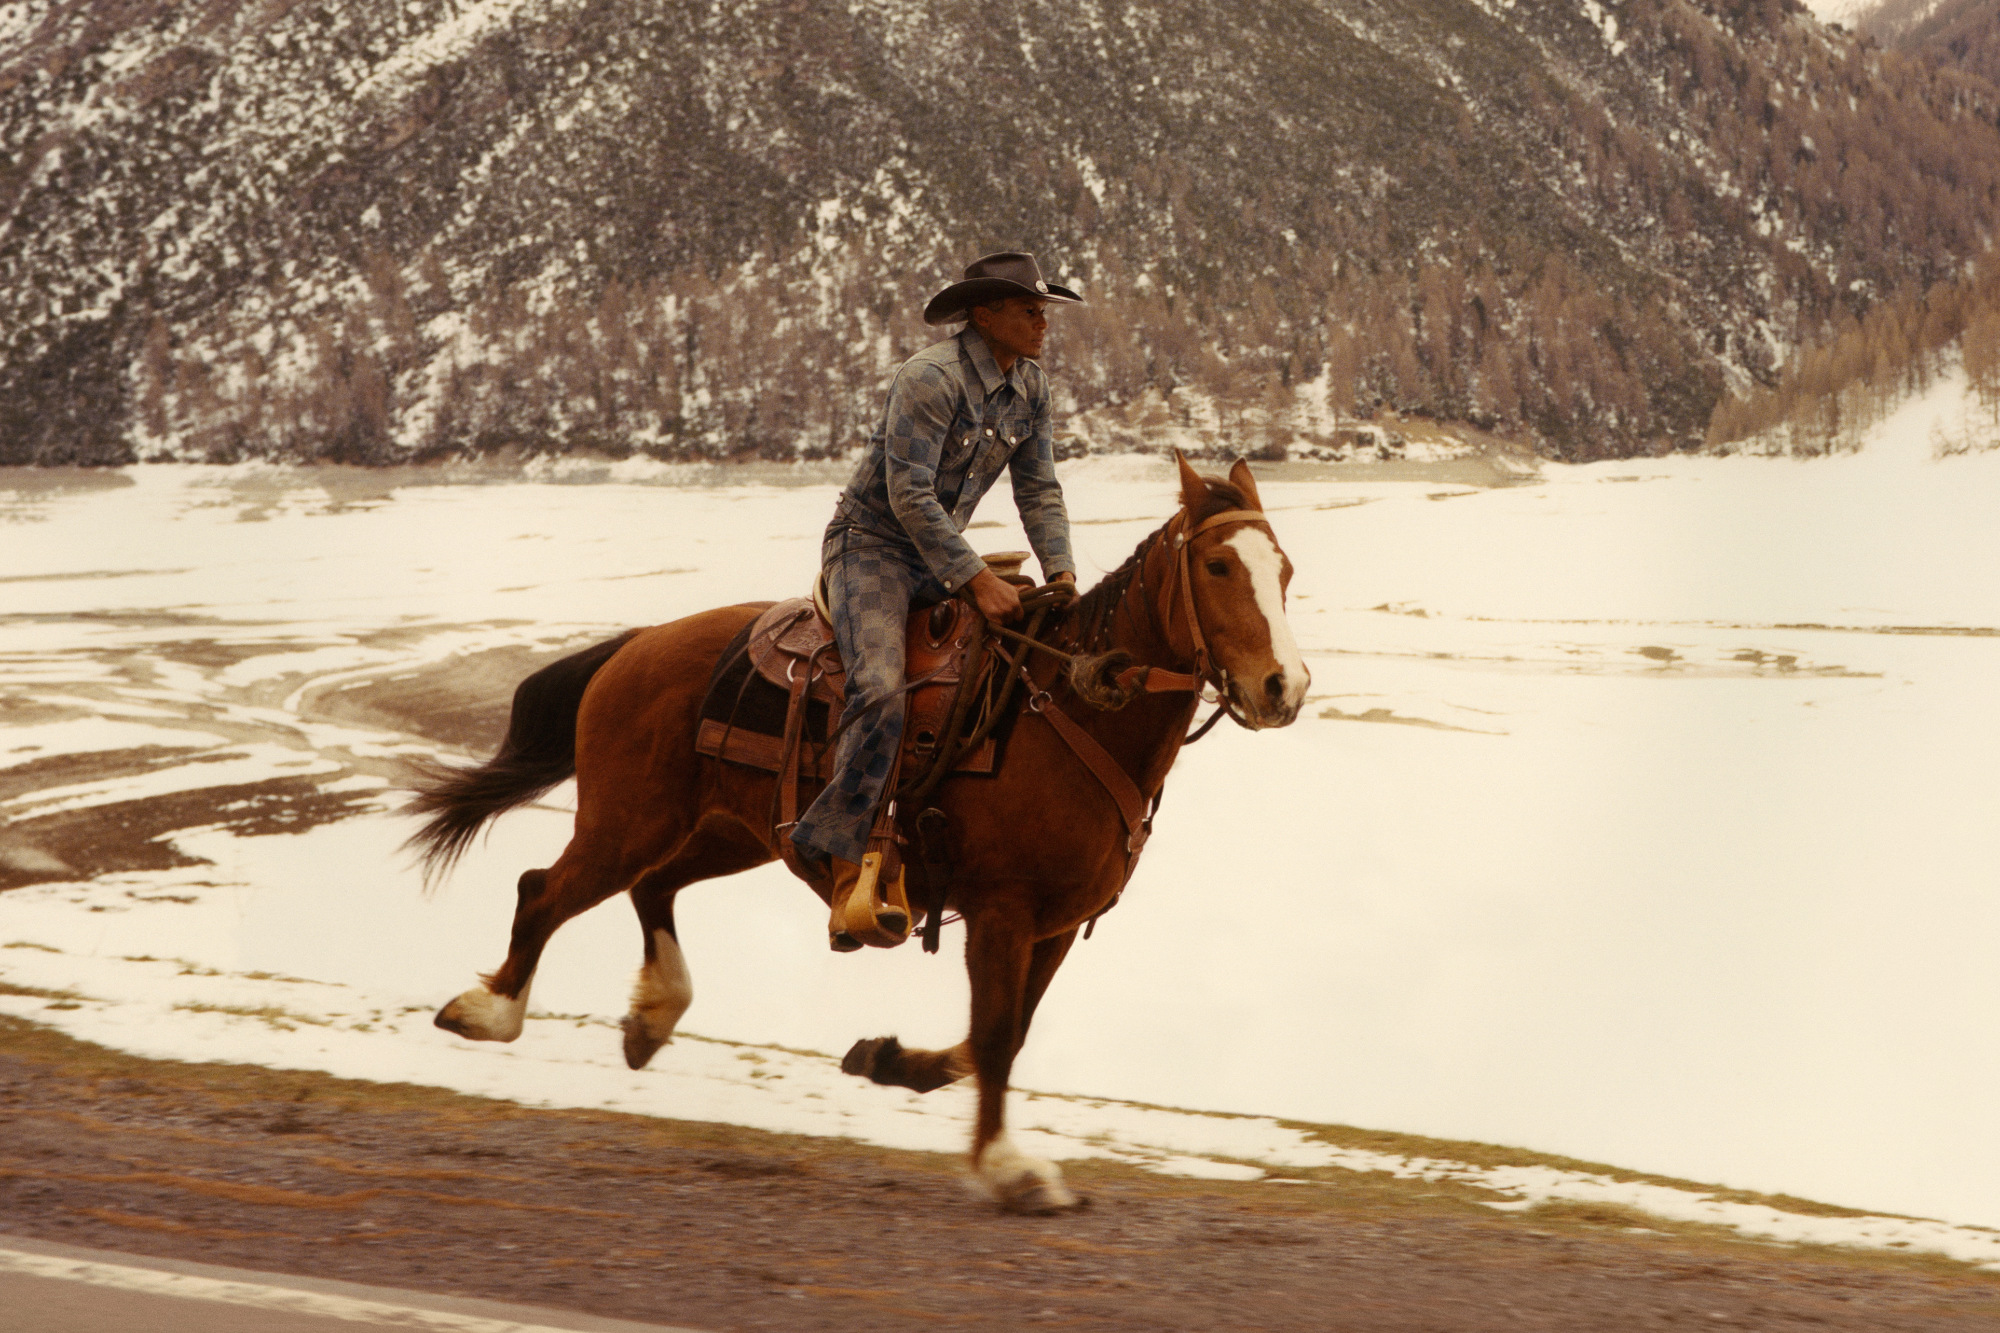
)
(1135, 808)
(1153, 679)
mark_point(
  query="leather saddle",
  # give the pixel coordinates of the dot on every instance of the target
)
(790, 646)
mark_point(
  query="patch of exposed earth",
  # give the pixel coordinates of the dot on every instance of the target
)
(147, 726)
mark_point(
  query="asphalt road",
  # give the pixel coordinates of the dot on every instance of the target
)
(50, 1288)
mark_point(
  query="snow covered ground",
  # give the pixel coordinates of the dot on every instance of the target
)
(1642, 815)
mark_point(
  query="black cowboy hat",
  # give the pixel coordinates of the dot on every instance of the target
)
(995, 278)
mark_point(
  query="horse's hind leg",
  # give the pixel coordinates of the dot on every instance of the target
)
(664, 990)
(494, 1009)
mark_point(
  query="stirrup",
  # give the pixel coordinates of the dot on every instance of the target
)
(869, 908)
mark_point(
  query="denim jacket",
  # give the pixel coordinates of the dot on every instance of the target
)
(953, 421)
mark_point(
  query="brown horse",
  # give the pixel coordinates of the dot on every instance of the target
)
(1039, 849)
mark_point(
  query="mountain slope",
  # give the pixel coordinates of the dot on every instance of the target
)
(372, 231)
(1964, 34)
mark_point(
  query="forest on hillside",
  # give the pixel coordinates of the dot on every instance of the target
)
(1586, 246)
(1870, 360)
(1828, 396)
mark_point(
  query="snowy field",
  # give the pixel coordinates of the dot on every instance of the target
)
(1643, 815)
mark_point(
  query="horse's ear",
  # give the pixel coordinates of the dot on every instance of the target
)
(1240, 478)
(1194, 491)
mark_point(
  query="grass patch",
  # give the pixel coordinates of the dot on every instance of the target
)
(30, 944)
(1449, 1151)
(67, 999)
(284, 1020)
(1596, 1214)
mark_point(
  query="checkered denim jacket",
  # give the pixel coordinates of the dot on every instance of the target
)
(952, 423)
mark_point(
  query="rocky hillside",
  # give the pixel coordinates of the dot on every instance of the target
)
(372, 231)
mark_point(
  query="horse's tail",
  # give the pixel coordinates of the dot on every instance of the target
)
(538, 753)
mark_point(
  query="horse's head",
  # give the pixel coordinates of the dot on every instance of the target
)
(1236, 574)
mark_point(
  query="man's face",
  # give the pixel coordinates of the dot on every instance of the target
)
(1015, 328)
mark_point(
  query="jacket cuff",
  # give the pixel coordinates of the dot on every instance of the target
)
(960, 572)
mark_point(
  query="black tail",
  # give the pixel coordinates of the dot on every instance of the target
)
(539, 752)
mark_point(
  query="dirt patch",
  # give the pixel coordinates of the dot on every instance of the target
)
(136, 835)
(463, 702)
(728, 1228)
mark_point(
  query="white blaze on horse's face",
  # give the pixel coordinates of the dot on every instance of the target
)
(1268, 693)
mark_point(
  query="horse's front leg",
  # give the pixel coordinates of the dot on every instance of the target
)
(887, 1061)
(1000, 956)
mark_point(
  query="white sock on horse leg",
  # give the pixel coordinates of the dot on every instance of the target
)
(664, 989)
(1019, 1181)
(481, 1015)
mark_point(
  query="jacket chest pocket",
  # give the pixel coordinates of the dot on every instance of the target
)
(1009, 432)
(966, 433)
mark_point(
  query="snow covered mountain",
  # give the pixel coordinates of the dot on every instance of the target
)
(374, 231)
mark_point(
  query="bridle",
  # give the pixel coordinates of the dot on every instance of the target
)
(1179, 534)
(1136, 808)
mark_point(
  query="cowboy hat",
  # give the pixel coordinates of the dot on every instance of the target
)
(995, 278)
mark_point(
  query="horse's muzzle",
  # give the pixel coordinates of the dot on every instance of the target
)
(1272, 701)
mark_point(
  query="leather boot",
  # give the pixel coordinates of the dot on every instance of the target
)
(869, 907)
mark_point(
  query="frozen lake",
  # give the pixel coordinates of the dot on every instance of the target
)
(1642, 815)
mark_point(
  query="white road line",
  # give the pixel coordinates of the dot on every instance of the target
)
(287, 1300)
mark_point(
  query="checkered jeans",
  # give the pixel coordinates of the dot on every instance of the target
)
(870, 587)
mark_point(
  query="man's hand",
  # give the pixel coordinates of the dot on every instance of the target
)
(1069, 578)
(998, 599)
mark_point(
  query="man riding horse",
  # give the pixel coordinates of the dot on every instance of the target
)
(1105, 706)
(958, 412)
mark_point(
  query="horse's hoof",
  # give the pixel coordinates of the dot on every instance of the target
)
(1040, 1198)
(480, 1015)
(1023, 1184)
(841, 942)
(640, 1045)
(866, 1058)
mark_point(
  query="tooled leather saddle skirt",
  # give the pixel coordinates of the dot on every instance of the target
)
(788, 652)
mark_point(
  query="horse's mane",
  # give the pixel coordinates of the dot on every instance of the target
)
(1086, 626)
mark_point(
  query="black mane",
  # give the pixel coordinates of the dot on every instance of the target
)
(1086, 626)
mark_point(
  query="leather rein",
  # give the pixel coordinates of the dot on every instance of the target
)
(1134, 807)
(1160, 680)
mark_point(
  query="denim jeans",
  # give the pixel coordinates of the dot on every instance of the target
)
(870, 588)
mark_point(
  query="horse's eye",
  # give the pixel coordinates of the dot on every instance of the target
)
(1218, 568)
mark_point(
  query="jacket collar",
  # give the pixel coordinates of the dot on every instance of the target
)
(990, 375)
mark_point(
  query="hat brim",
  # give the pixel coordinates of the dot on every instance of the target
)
(959, 298)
